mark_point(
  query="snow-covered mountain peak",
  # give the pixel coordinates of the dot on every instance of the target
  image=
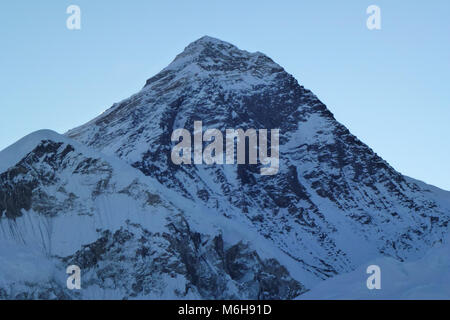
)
(207, 41)
(209, 56)
(14, 153)
(220, 231)
(332, 191)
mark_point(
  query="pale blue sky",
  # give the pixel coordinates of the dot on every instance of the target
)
(391, 87)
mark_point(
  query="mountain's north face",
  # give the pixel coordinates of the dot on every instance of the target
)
(107, 197)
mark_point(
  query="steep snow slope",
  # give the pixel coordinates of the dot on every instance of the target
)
(426, 278)
(334, 205)
(63, 204)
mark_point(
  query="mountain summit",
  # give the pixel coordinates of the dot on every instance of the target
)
(212, 55)
(334, 203)
(215, 231)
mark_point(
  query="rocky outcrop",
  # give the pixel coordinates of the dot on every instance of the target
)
(132, 261)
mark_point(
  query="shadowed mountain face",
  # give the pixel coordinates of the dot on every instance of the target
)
(334, 202)
(108, 198)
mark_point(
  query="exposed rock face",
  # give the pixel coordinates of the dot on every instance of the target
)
(197, 263)
(21, 185)
(37, 182)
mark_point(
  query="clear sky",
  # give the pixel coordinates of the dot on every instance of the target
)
(390, 87)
